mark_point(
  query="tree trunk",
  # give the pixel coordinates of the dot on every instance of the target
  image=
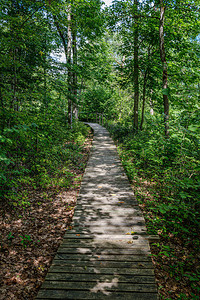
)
(69, 62)
(14, 103)
(60, 31)
(3, 115)
(74, 73)
(144, 97)
(151, 104)
(45, 75)
(164, 63)
(136, 66)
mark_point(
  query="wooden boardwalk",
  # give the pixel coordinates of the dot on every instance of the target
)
(106, 255)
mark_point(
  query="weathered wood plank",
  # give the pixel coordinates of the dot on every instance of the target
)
(133, 249)
(88, 277)
(99, 285)
(108, 208)
(129, 244)
(110, 229)
(100, 236)
(95, 220)
(96, 251)
(88, 234)
(103, 257)
(136, 270)
(140, 264)
(120, 203)
(80, 230)
(105, 238)
(126, 223)
(74, 294)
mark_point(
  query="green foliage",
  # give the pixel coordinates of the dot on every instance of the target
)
(10, 237)
(173, 165)
(25, 240)
(44, 155)
(36, 145)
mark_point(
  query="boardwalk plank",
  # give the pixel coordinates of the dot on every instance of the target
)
(94, 245)
(103, 257)
(134, 271)
(74, 294)
(105, 285)
(66, 250)
(140, 263)
(88, 277)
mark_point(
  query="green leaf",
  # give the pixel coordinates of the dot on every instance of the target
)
(166, 91)
(194, 128)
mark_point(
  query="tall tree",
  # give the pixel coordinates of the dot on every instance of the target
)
(75, 25)
(136, 64)
(69, 61)
(164, 65)
(74, 71)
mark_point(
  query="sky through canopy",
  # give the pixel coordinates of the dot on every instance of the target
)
(107, 2)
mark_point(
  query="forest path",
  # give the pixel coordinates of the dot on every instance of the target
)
(106, 255)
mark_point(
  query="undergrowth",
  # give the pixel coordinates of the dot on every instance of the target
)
(44, 155)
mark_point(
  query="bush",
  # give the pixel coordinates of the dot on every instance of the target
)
(38, 150)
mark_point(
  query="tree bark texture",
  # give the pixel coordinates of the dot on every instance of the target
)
(164, 63)
(151, 104)
(61, 33)
(136, 66)
(67, 51)
(74, 73)
(69, 62)
(144, 97)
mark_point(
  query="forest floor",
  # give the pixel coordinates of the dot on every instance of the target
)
(30, 236)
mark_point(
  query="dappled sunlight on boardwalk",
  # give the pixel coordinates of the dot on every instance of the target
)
(106, 254)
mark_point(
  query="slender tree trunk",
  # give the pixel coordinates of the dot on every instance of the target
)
(151, 104)
(144, 87)
(74, 75)
(65, 45)
(45, 75)
(60, 31)
(69, 62)
(3, 115)
(144, 97)
(68, 54)
(164, 63)
(14, 103)
(136, 66)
